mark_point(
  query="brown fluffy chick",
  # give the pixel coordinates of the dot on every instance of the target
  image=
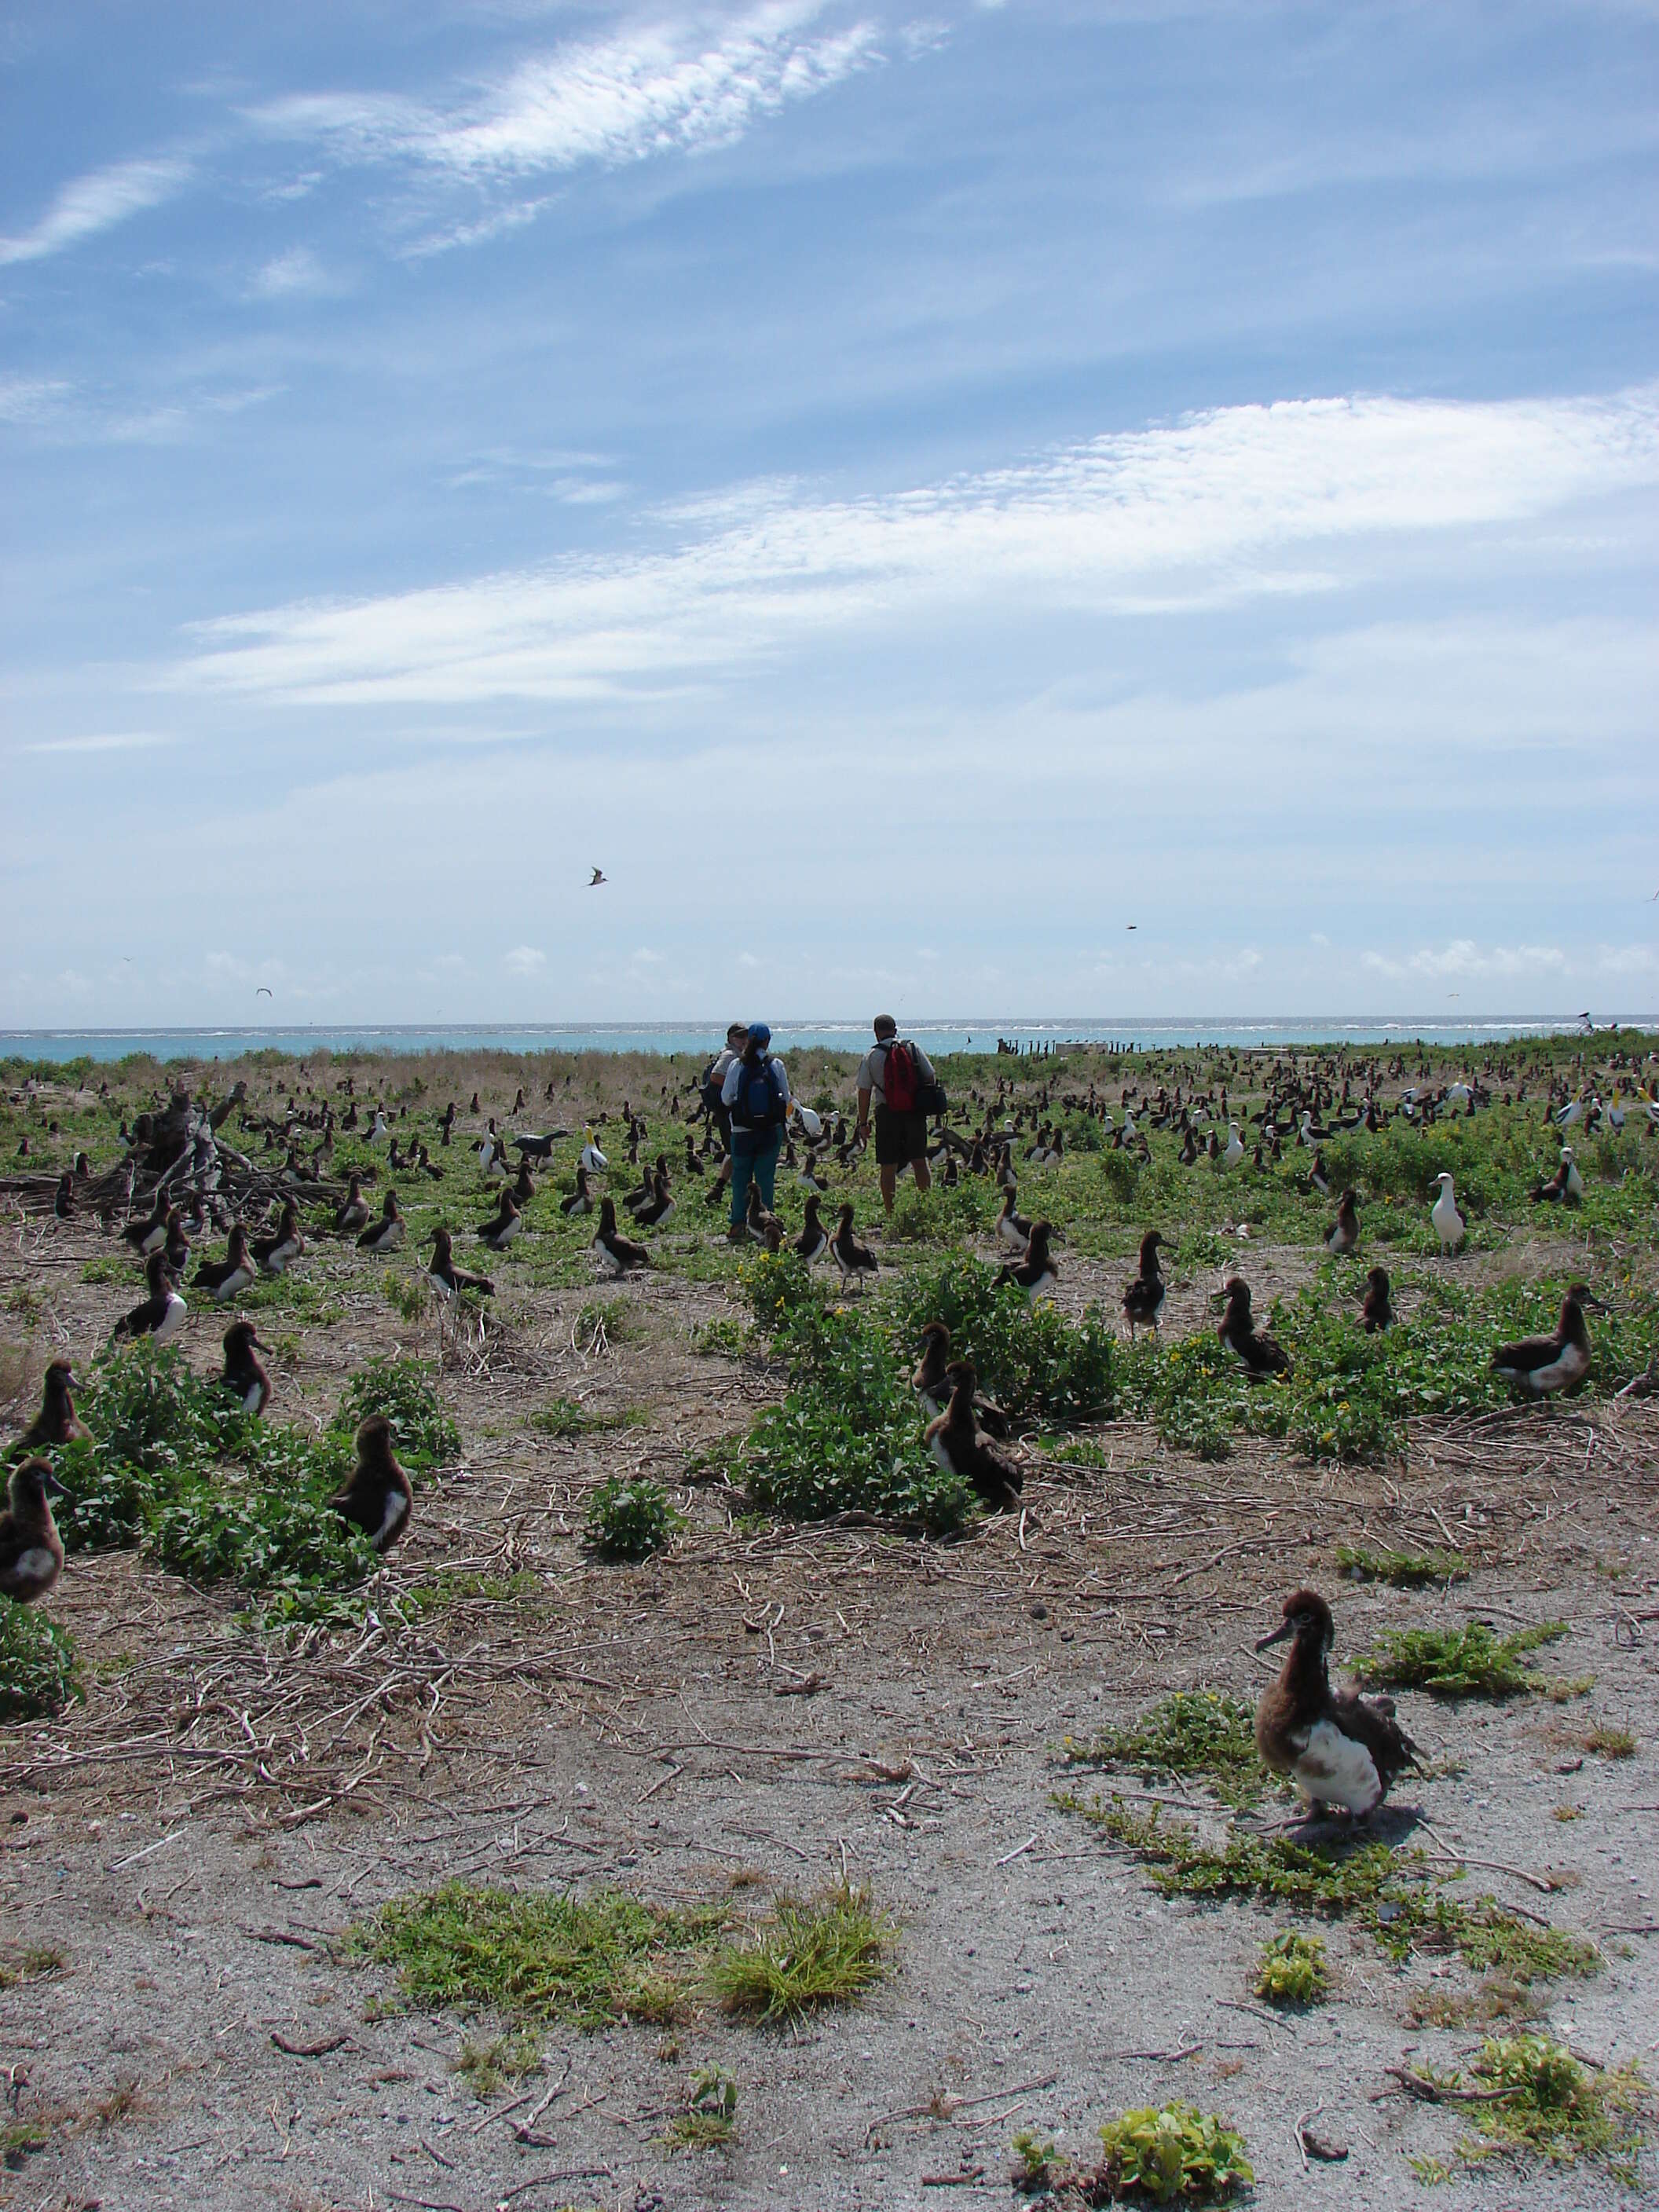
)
(377, 1499)
(956, 1442)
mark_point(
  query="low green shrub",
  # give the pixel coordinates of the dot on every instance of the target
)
(424, 1434)
(1038, 1366)
(1472, 1661)
(1291, 1970)
(628, 1517)
(39, 1672)
(1175, 2151)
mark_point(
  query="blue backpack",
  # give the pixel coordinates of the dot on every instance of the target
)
(758, 1105)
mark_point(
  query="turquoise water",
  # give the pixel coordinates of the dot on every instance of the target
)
(702, 1037)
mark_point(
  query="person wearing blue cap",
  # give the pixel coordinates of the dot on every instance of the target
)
(756, 1092)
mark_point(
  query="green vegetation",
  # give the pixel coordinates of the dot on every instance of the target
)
(564, 1418)
(32, 1963)
(537, 1958)
(489, 2067)
(178, 1468)
(1040, 1368)
(1291, 1970)
(628, 1517)
(1034, 2161)
(1472, 1661)
(467, 1586)
(39, 1672)
(1175, 2151)
(1393, 1895)
(1403, 1570)
(710, 2119)
(1531, 2097)
(828, 1950)
(1610, 1742)
(1204, 1735)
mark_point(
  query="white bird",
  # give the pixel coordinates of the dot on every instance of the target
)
(1572, 1112)
(380, 1129)
(1235, 1152)
(591, 1157)
(1574, 1181)
(812, 1125)
(1457, 1094)
(1450, 1226)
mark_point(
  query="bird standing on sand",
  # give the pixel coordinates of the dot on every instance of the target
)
(31, 1549)
(1143, 1299)
(1539, 1365)
(377, 1498)
(855, 1259)
(1337, 1749)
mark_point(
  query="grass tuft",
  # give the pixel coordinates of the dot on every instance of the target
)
(1472, 1661)
(1402, 1570)
(828, 1950)
(1202, 1734)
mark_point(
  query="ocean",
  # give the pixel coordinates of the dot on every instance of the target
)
(699, 1038)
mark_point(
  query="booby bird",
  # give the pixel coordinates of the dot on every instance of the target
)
(1318, 1177)
(1539, 1365)
(446, 1278)
(1572, 1112)
(855, 1259)
(1034, 1272)
(149, 1234)
(31, 1549)
(1143, 1299)
(1565, 1188)
(581, 1199)
(177, 1248)
(1234, 1148)
(1259, 1355)
(661, 1204)
(1375, 1308)
(163, 1313)
(63, 1203)
(244, 1375)
(597, 878)
(761, 1223)
(1337, 1749)
(377, 1498)
(504, 1225)
(814, 1239)
(387, 1234)
(956, 1443)
(352, 1212)
(1450, 1226)
(590, 1155)
(616, 1252)
(931, 1382)
(1343, 1232)
(1013, 1227)
(57, 1422)
(274, 1253)
(226, 1277)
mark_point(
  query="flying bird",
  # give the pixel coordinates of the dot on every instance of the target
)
(1131, 924)
(599, 877)
(264, 991)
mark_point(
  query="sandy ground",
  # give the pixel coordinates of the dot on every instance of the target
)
(192, 1837)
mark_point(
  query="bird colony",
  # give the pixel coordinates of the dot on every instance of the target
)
(1121, 1586)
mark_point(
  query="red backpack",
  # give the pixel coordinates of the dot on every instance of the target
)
(900, 1081)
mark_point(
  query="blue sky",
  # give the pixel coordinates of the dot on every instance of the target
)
(909, 492)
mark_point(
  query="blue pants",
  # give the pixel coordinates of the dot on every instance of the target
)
(761, 1166)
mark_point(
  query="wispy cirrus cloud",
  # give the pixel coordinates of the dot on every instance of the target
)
(648, 90)
(98, 202)
(1229, 504)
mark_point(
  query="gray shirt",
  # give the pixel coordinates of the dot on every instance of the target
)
(872, 1068)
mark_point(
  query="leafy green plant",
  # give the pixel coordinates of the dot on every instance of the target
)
(1034, 2160)
(1402, 1570)
(710, 2120)
(628, 1517)
(39, 1672)
(1472, 1661)
(723, 1338)
(1204, 1733)
(827, 1950)
(1532, 2096)
(408, 1296)
(1033, 1362)
(147, 1407)
(1174, 2151)
(423, 1433)
(1291, 1970)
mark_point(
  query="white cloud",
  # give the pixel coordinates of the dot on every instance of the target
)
(108, 741)
(647, 91)
(1463, 957)
(97, 202)
(526, 960)
(296, 270)
(1223, 495)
